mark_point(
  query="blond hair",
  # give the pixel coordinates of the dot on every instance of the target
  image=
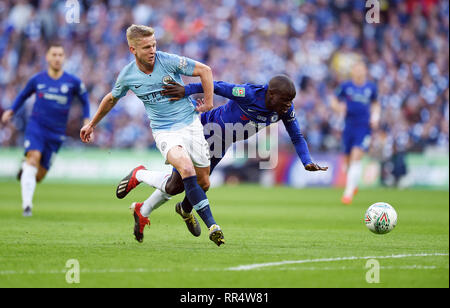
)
(136, 32)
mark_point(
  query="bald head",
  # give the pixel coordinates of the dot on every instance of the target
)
(283, 85)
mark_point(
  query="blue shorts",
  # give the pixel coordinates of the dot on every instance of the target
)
(43, 140)
(216, 155)
(356, 136)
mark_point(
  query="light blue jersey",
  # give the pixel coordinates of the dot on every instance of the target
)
(163, 114)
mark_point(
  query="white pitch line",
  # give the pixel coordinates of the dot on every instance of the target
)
(261, 265)
(238, 268)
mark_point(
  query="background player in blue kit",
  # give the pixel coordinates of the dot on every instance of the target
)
(357, 100)
(46, 128)
(258, 105)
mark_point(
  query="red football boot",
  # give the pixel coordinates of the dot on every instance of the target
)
(128, 183)
(139, 221)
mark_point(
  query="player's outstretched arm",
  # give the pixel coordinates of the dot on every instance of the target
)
(108, 102)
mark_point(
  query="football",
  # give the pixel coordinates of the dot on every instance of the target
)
(380, 218)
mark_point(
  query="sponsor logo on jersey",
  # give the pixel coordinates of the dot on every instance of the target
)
(183, 63)
(244, 118)
(238, 91)
(60, 99)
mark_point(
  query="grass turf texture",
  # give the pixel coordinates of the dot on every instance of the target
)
(261, 225)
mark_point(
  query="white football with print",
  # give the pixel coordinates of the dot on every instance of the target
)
(380, 218)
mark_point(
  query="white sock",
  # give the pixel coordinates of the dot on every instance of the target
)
(156, 179)
(153, 202)
(353, 177)
(28, 184)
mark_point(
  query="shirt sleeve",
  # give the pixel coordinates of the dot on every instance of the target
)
(178, 64)
(24, 94)
(120, 88)
(82, 94)
(297, 138)
(374, 95)
(340, 91)
(238, 93)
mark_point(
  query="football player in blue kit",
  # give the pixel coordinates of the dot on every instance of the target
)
(356, 99)
(55, 90)
(257, 105)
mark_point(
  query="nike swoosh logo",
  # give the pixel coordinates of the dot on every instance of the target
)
(138, 86)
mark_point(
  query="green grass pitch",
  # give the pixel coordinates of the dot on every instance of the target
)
(296, 238)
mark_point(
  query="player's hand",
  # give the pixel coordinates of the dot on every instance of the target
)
(315, 167)
(374, 124)
(7, 116)
(175, 90)
(202, 106)
(87, 133)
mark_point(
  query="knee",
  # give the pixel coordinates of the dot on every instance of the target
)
(186, 170)
(204, 184)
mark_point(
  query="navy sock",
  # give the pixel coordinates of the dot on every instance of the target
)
(197, 197)
(186, 205)
(206, 216)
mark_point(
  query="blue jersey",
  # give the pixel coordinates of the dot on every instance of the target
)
(358, 100)
(53, 100)
(247, 105)
(163, 113)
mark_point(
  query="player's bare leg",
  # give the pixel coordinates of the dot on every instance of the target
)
(353, 174)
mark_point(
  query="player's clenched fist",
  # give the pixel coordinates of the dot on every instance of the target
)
(87, 133)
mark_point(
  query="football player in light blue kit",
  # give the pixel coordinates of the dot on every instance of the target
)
(46, 128)
(357, 100)
(176, 126)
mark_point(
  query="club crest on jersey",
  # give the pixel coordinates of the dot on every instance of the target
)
(166, 79)
(64, 88)
(238, 91)
(274, 118)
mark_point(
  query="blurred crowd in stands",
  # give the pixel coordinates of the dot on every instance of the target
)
(313, 41)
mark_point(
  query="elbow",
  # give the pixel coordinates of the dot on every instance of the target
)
(205, 71)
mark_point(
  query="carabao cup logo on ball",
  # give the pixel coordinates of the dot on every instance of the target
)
(380, 218)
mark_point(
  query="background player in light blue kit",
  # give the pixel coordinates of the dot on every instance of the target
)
(46, 128)
(175, 125)
(357, 101)
(250, 105)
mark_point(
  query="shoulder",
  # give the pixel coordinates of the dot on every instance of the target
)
(166, 57)
(250, 90)
(372, 84)
(129, 69)
(71, 77)
(181, 62)
(290, 116)
(345, 84)
(38, 77)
